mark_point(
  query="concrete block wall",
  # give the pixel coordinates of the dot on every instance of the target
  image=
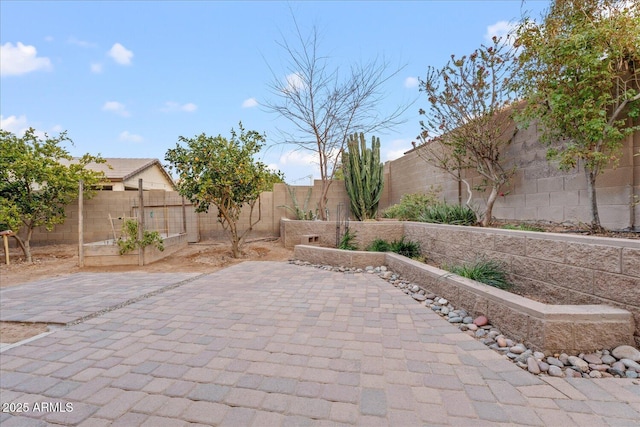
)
(163, 211)
(538, 191)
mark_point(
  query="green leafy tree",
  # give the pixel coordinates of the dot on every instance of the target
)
(35, 186)
(363, 176)
(581, 80)
(468, 119)
(223, 172)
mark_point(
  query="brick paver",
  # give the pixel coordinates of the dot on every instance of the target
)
(273, 344)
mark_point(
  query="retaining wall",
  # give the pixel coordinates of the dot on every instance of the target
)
(545, 327)
(548, 267)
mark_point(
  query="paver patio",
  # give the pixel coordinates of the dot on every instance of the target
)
(268, 343)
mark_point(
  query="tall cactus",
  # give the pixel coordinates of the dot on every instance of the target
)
(363, 175)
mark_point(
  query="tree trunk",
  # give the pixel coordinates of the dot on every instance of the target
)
(322, 203)
(486, 219)
(26, 248)
(26, 251)
(593, 202)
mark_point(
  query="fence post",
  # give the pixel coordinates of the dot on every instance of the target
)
(81, 223)
(140, 221)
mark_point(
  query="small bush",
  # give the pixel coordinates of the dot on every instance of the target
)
(445, 213)
(411, 206)
(489, 272)
(379, 245)
(128, 240)
(346, 242)
(402, 247)
(406, 248)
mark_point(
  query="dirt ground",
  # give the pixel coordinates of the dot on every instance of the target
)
(58, 260)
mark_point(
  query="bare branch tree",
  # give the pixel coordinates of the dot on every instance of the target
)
(468, 120)
(325, 106)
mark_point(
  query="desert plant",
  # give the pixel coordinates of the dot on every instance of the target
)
(445, 213)
(411, 206)
(346, 242)
(129, 241)
(363, 177)
(379, 245)
(406, 248)
(402, 247)
(489, 272)
(301, 213)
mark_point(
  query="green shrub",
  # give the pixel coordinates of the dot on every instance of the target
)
(411, 206)
(445, 213)
(522, 227)
(406, 248)
(346, 242)
(402, 247)
(128, 240)
(489, 272)
(379, 245)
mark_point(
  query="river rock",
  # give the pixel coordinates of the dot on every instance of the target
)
(555, 362)
(626, 352)
(619, 366)
(579, 363)
(481, 321)
(455, 319)
(418, 297)
(518, 349)
(532, 366)
(570, 373)
(502, 342)
(555, 371)
(592, 359)
(630, 364)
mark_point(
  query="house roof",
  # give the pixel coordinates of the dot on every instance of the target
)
(118, 169)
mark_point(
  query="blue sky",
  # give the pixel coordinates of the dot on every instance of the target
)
(126, 79)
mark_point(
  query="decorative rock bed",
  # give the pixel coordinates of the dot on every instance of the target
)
(621, 362)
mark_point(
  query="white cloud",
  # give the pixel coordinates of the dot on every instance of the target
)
(96, 67)
(116, 107)
(21, 59)
(249, 103)
(120, 54)
(81, 43)
(18, 125)
(14, 124)
(411, 82)
(130, 137)
(172, 107)
(396, 149)
(499, 29)
(189, 107)
(297, 157)
(294, 83)
(273, 167)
